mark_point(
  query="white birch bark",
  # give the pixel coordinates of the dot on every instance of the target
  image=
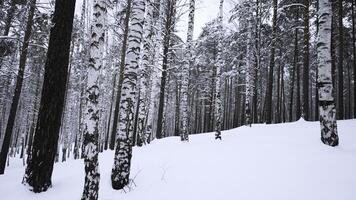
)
(92, 108)
(145, 71)
(123, 153)
(248, 72)
(218, 112)
(327, 108)
(185, 73)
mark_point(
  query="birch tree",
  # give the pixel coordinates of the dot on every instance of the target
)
(123, 152)
(92, 95)
(185, 73)
(145, 72)
(218, 112)
(248, 73)
(327, 108)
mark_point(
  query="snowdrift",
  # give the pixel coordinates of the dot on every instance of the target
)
(265, 162)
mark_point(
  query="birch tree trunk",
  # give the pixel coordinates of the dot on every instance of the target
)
(92, 107)
(327, 108)
(123, 152)
(145, 72)
(218, 112)
(121, 75)
(184, 136)
(248, 74)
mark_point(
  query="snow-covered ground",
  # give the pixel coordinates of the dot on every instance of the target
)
(274, 162)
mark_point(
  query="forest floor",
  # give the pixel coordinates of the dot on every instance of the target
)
(274, 162)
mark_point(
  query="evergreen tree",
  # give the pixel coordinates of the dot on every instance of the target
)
(19, 81)
(39, 169)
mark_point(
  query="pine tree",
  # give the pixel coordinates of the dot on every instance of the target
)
(123, 153)
(306, 61)
(340, 67)
(39, 169)
(19, 81)
(269, 111)
(327, 108)
(354, 51)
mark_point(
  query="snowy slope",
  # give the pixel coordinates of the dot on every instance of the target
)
(275, 162)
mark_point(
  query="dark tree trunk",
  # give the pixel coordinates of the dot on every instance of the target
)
(39, 170)
(121, 76)
(340, 102)
(295, 66)
(316, 105)
(111, 111)
(177, 108)
(306, 72)
(19, 81)
(354, 52)
(279, 98)
(298, 105)
(166, 48)
(269, 112)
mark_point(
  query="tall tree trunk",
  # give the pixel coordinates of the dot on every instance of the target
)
(39, 169)
(294, 70)
(158, 16)
(340, 102)
(305, 106)
(279, 96)
(257, 62)
(269, 112)
(218, 112)
(316, 105)
(123, 152)
(185, 73)
(19, 81)
(92, 95)
(145, 69)
(121, 76)
(354, 52)
(170, 12)
(248, 72)
(298, 104)
(326, 101)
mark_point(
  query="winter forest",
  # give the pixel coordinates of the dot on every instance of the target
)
(166, 99)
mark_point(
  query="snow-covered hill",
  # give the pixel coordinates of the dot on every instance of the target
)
(274, 162)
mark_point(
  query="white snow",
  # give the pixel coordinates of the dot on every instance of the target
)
(274, 162)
